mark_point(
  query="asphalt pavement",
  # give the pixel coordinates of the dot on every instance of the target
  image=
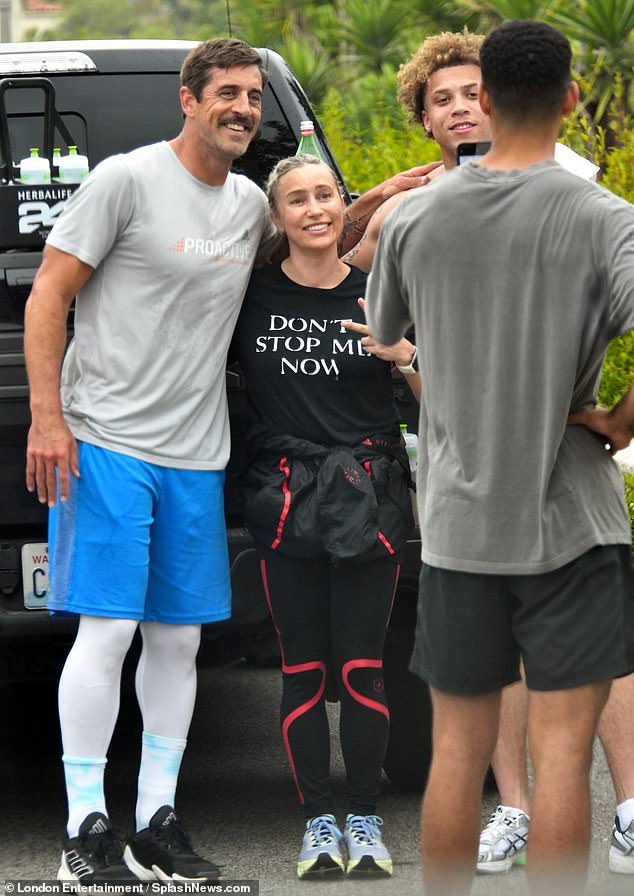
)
(236, 794)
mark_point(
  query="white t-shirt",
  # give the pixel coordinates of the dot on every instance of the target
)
(575, 163)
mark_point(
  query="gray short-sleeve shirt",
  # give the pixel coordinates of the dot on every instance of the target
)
(145, 373)
(516, 282)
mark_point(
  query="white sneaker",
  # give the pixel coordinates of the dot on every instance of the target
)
(621, 855)
(503, 840)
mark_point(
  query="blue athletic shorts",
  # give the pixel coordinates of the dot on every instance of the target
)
(139, 541)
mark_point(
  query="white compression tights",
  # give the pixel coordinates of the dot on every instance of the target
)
(166, 677)
(90, 683)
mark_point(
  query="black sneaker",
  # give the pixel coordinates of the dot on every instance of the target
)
(163, 851)
(94, 856)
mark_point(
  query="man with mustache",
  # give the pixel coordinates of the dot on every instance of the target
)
(129, 452)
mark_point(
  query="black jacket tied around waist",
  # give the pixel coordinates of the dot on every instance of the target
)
(306, 499)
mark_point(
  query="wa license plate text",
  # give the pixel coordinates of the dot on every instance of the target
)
(35, 575)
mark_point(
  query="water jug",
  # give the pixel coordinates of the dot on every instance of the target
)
(73, 168)
(34, 170)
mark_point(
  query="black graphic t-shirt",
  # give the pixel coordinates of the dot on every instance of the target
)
(307, 376)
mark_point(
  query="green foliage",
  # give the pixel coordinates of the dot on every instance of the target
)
(619, 169)
(432, 16)
(256, 29)
(187, 19)
(492, 12)
(618, 370)
(601, 32)
(366, 97)
(611, 147)
(371, 32)
(311, 65)
(190, 19)
(268, 23)
(606, 24)
(110, 18)
(371, 154)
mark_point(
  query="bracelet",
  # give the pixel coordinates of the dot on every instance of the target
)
(412, 367)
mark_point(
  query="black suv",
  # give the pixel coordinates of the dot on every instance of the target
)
(106, 97)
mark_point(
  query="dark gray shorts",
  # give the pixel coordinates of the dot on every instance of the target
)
(571, 627)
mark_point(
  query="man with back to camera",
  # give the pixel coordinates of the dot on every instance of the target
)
(438, 89)
(513, 315)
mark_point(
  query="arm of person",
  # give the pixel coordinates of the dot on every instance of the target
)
(362, 255)
(615, 244)
(615, 425)
(51, 446)
(387, 304)
(360, 211)
(402, 353)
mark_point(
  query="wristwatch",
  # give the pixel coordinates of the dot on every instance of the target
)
(412, 367)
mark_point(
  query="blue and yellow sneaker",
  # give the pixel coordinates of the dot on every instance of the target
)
(366, 853)
(320, 853)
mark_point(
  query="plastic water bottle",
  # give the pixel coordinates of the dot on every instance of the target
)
(308, 145)
(34, 170)
(73, 168)
(411, 446)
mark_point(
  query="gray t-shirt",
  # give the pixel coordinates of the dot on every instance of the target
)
(516, 282)
(145, 373)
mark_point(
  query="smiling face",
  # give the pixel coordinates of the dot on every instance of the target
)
(308, 208)
(452, 112)
(228, 114)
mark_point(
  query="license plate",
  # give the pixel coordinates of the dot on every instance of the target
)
(35, 575)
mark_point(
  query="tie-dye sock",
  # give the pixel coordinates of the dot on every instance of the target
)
(84, 789)
(160, 764)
